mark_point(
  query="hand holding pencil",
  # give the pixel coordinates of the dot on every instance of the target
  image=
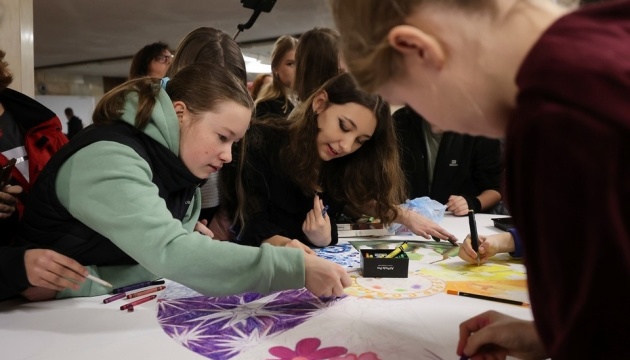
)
(317, 225)
(48, 269)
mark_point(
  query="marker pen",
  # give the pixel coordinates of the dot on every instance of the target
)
(137, 302)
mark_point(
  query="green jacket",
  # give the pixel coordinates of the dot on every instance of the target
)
(107, 186)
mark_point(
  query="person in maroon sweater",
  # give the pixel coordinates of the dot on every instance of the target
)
(556, 86)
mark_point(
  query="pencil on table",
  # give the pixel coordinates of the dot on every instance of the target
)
(145, 292)
(97, 280)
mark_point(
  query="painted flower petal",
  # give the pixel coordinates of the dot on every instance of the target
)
(345, 357)
(368, 356)
(306, 347)
(328, 352)
(365, 356)
(282, 352)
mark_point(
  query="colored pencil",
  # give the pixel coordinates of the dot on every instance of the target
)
(114, 298)
(97, 280)
(145, 292)
(485, 297)
(137, 302)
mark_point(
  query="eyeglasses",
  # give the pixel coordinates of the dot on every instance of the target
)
(164, 59)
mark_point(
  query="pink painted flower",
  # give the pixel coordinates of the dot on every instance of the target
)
(306, 349)
(365, 356)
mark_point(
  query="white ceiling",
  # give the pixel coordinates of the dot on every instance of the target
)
(87, 37)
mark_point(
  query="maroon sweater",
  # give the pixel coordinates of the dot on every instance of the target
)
(568, 181)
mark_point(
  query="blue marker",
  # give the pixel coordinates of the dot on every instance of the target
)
(324, 211)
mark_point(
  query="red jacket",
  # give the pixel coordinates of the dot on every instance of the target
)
(43, 135)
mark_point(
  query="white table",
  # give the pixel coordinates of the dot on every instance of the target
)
(86, 328)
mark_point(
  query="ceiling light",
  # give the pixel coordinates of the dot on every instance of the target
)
(253, 65)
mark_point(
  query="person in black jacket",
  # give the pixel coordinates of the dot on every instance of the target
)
(299, 175)
(40, 268)
(74, 123)
(462, 172)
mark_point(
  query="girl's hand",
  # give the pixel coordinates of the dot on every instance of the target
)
(47, 269)
(423, 226)
(202, 227)
(457, 204)
(317, 224)
(299, 245)
(278, 240)
(493, 335)
(8, 200)
(488, 247)
(324, 278)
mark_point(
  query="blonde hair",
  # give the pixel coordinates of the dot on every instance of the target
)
(276, 89)
(364, 26)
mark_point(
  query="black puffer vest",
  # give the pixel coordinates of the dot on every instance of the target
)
(48, 224)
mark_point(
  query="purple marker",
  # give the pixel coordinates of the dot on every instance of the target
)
(324, 211)
(137, 286)
(115, 297)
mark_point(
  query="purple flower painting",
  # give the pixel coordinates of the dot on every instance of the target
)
(223, 327)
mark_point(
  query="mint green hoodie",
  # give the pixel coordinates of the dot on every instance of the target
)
(107, 186)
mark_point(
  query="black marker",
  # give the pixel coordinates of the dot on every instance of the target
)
(474, 237)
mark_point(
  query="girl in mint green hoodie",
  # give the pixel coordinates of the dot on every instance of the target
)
(123, 196)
